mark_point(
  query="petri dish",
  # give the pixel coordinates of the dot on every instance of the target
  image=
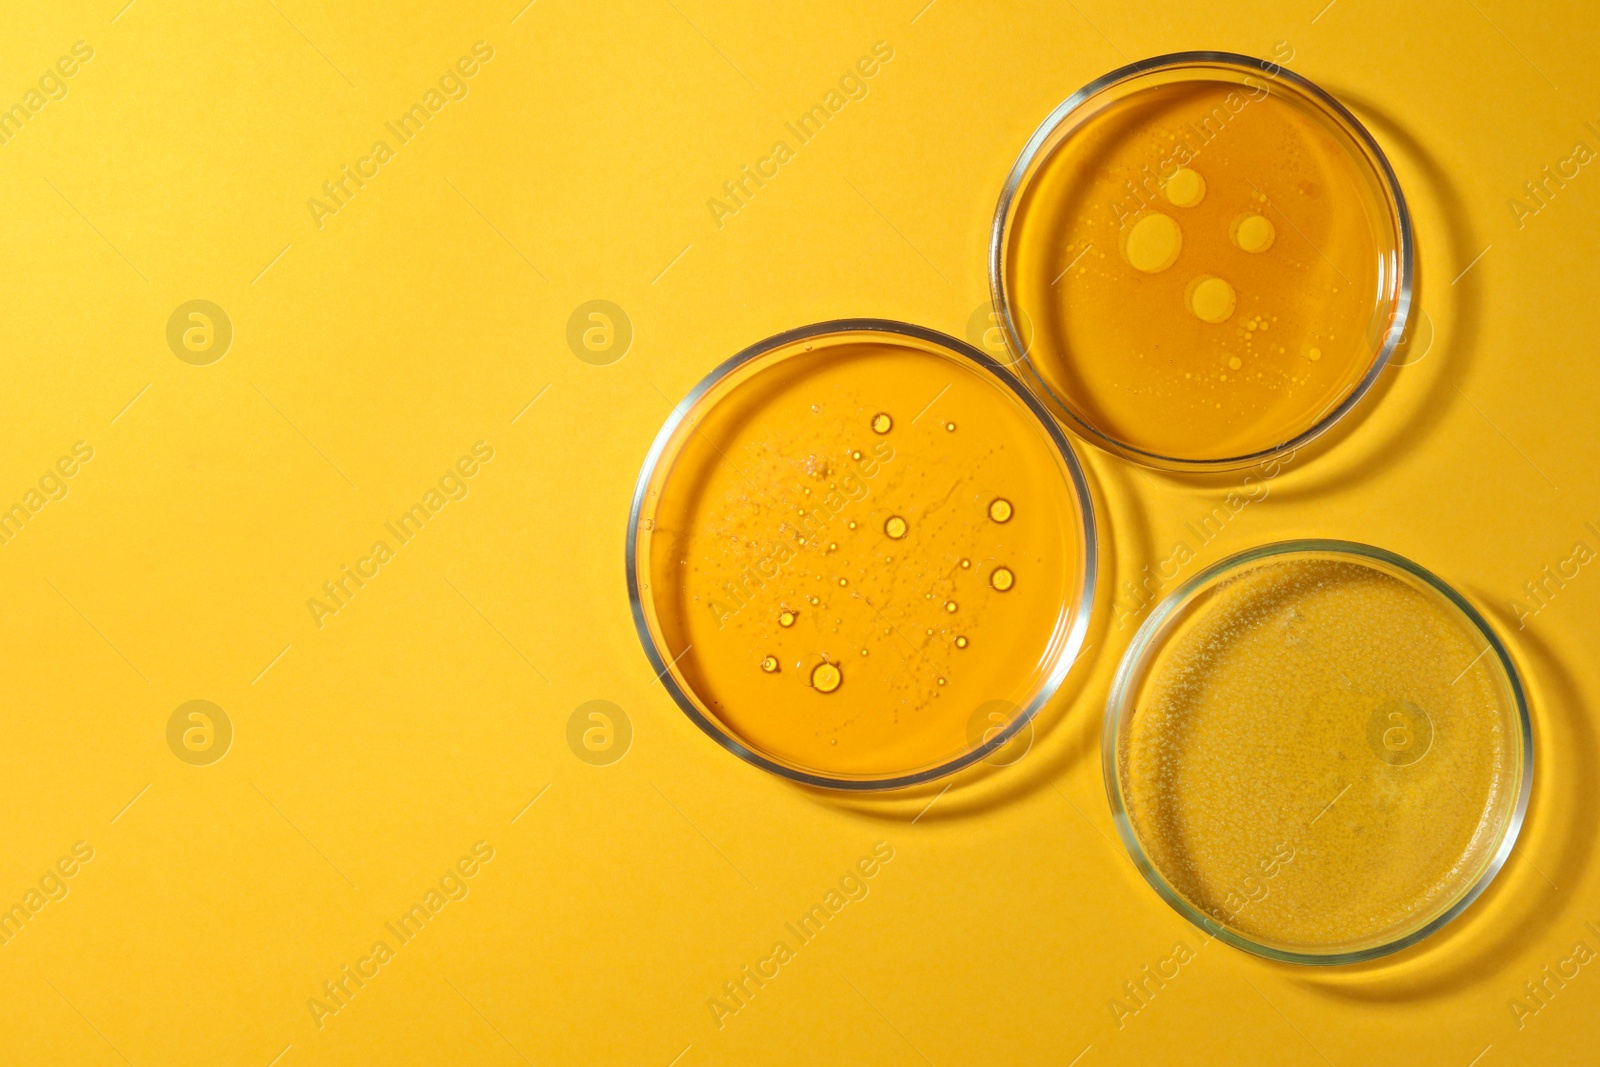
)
(861, 555)
(1209, 257)
(1318, 752)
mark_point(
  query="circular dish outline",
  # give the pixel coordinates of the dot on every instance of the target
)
(1022, 170)
(1071, 649)
(1134, 663)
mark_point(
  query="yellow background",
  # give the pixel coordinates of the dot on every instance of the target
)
(425, 716)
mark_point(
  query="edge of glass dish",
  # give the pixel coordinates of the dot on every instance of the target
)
(1022, 169)
(1076, 633)
(1133, 662)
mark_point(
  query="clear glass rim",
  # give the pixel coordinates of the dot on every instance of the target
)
(1131, 668)
(1082, 611)
(1022, 171)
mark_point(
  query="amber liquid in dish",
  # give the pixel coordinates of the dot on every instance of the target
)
(1202, 265)
(860, 553)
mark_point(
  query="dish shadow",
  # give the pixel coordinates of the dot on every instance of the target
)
(1520, 903)
(1453, 360)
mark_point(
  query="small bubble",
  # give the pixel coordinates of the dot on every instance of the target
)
(825, 677)
(770, 664)
(966, 563)
(950, 605)
(843, 581)
(814, 601)
(950, 427)
(863, 652)
(1211, 299)
(786, 619)
(1185, 188)
(961, 642)
(882, 423)
(816, 409)
(896, 527)
(1002, 579)
(833, 546)
(1000, 509)
(1253, 233)
(852, 524)
(855, 455)
(941, 681)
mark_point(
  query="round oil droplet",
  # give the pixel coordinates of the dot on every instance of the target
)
(999, 510)
(1002, 578)
(1234, 363)
(1211, 299)
(950, 606)
(961, 642)
(1185, 188)
(825, 678)
(1153, 243)
(770, 664)
(1253, 233)
(1314, 355)
(896, 527)
(786, 619)
(882, 423)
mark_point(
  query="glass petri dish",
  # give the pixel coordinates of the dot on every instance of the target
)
(1318, 752)
(1201, 260)
(861, 555)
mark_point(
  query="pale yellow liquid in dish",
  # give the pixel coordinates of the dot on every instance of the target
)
(1200, 263)
(860, 547)
(1322, 756)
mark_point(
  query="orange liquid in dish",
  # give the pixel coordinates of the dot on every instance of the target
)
(858, 548)
(1322, 757)
(1201, 263)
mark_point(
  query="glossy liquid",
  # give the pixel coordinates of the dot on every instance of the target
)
(825, 550)
(1321, 757)
(1202, 264)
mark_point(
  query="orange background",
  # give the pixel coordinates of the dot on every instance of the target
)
(369, 756)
